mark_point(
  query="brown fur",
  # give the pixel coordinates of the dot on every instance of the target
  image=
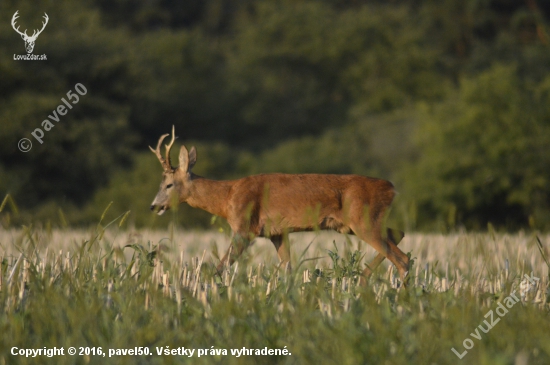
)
(273, 205)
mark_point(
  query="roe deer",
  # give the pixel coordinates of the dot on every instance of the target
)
(273, 205)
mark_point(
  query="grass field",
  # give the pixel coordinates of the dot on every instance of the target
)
(113, 290)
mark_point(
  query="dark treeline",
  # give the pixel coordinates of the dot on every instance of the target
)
(448, 99)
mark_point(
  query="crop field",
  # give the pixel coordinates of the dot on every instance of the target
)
(122, 296)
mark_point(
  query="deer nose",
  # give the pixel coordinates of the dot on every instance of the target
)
(152, 207)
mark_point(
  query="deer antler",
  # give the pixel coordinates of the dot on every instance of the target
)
(13, 19)
(169, 146)
(165, 162)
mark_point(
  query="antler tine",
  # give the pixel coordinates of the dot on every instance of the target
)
(165, 166)
(169, 146)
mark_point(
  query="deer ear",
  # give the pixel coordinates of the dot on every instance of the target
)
(187, 159)
(192, 157)
(184, 159)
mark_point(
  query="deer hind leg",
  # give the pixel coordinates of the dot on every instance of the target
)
(394, 236)
(282, 245)
(239, 242)
(372, 234)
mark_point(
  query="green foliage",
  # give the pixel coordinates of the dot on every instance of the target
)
(293, 86)
(95, 296)
(484, 151)
(146, 258)
(349, 268)
(335, 152)
(303, 66)
(81, 150)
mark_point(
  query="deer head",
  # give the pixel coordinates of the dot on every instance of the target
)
(29, 41)
(176, 181)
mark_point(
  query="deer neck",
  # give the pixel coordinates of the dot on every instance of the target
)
(210, 195)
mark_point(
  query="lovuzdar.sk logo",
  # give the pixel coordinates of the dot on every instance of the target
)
(29, 40)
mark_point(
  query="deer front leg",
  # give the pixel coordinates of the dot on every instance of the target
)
(239, 243)
(282, 245)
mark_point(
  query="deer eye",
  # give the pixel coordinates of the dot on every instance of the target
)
(169, 186)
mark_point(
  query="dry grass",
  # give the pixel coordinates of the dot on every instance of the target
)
(455, 280)
(460, 260)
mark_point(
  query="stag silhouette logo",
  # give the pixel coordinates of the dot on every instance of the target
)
(29, 40)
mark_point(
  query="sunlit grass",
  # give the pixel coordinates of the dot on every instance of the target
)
(120, 288)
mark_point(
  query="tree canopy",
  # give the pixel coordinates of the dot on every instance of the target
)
(448, 99)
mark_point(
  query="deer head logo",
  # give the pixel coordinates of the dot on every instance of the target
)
(29, 40)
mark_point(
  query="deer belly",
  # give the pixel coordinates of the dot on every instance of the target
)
(279, 224)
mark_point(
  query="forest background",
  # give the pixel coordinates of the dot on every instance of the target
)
(449, 99)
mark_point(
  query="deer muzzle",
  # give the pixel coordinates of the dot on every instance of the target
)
(159, 209)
